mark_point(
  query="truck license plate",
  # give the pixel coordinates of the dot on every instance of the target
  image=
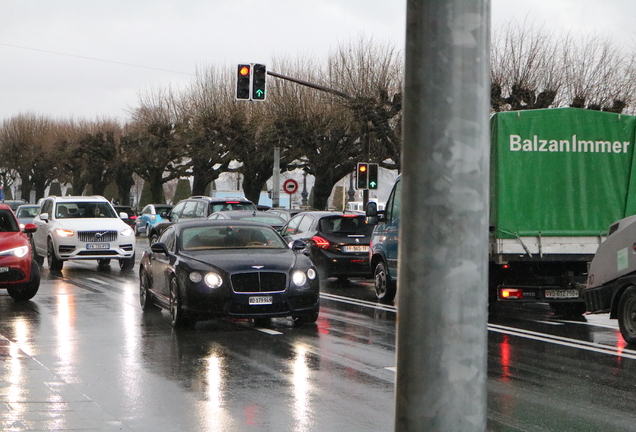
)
(4, 269)
(97, 245)
(561, 294)
(261, 300)
(356, 248)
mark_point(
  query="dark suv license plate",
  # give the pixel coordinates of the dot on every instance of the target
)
(97, 245)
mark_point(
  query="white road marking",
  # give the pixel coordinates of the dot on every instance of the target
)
(99, 281)
(268, 331)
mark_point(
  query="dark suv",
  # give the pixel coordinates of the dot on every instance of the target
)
(197, 207)
(337, 242)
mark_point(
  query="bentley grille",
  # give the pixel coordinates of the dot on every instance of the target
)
(259, 282)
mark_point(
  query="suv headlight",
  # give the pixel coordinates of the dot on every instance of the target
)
(64, 232)
(127, 232)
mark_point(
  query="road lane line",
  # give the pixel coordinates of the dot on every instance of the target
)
(99, 281)
(558, 340)
(268, 331)
(357, 302)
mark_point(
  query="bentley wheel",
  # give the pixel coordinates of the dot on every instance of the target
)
(177, 315)
(305, 319)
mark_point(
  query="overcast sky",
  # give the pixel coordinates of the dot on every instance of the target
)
(89, 58)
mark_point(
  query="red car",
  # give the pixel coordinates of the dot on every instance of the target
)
(19, 273)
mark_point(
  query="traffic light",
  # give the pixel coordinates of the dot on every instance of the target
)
(362, 176)
(258, 83)
(243, 79)
(373, 176)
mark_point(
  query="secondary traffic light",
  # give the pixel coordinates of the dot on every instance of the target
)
(373, 176)
(362, 175)
(243, 80)
(258, 82)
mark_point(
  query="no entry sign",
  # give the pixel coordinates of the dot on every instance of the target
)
(290, 186)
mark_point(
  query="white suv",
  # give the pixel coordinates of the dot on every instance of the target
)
(82, 227)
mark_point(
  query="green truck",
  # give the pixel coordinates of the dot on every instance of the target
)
(559, 178)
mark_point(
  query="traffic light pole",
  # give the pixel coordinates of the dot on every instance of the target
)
(443, 256)
(309, 84)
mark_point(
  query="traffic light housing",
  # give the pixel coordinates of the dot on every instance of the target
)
(259, 73)
(243, 81)
(362, 175)
(373, 176)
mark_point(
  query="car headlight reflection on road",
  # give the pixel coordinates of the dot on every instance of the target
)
(299, 278)
(213, 280)
(18, 252)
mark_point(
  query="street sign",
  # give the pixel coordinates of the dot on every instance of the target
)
(290, 186)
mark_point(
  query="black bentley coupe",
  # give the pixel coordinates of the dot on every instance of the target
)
(203, 269)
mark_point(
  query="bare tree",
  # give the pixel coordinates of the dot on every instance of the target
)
(27, 145)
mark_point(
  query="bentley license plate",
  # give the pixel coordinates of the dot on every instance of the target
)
(561, 294)
(97, 245)
(356, 248)
(4, 269)
(261, 300)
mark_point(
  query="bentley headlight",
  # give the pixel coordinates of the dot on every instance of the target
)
(311, 274)
(195, 277)
(127, 232)
(213, 280)
(299, 278)
(18, 252)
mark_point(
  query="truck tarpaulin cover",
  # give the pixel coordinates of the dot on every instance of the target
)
(561, 172)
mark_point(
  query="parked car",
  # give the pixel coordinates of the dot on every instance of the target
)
(14, 204)
(258, 216)
(202, 269)
(19, 273)
(286, 214)
(26, 213)
(198, 207)
(132, 216)
(82, 227)
(337, 242)
(151, 214)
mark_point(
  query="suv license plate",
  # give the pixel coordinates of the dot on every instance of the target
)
(97, 245)
(4, 269)
(262, 300)
(561, 294)
(356, 248)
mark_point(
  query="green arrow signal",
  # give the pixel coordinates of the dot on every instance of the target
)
(372, 184)
(259, 93)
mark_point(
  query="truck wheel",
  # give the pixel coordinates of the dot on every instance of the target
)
(384, 287)
(627, 315)
(568, 310)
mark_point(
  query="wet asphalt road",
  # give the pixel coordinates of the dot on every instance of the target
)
(82, 356)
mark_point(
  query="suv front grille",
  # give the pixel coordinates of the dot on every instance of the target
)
(97, 236)
(259, 282)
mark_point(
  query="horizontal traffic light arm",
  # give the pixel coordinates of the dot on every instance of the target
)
(309, 84)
